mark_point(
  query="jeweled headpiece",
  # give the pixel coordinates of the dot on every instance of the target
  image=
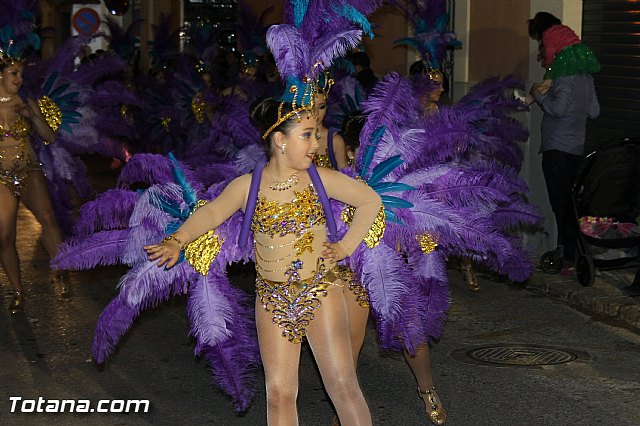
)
(315, 33)
(434, 74)
(325, 82)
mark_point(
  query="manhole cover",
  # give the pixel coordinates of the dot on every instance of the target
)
(515, 355)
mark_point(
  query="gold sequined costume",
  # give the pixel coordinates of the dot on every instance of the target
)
(287, 236)
(17, 158)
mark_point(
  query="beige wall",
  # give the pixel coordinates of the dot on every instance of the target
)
(390, 26)
(498, 41)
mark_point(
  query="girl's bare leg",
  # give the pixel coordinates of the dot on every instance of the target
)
(420, 365)
(8, 252)
(357, 324)
(281, 361)
(36, 198)
(330, 341)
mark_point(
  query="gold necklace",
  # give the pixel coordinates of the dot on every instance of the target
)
(286, 184)
(5, 99)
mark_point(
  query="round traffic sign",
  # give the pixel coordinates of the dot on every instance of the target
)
(86, 21)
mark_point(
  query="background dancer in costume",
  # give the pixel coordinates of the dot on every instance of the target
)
(331, 149)
(429, 86)
(21, 176)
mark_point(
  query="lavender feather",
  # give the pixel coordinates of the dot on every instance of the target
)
(110, 210)
(101, 248)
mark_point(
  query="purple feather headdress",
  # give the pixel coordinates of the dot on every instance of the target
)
(430, 21)
(315, 33)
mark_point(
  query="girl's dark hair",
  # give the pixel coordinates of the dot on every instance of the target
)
(541, 23)
(418, 67)
(351, 128)
(264, 113)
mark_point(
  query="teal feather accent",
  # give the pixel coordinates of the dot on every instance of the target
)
(299, 11)
(188, 193)
(352, 14)
(395, 202)
(383, 187)
(371, 147)
(383, 169)
(58, 91)
(49, 83)
(171, 208)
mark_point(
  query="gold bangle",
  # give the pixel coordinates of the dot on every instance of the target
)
(172, 237)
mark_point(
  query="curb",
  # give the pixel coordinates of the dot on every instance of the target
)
(607, 296)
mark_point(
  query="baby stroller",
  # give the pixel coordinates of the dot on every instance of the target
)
(606, 199)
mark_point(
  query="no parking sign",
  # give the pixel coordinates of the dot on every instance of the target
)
(86, 21)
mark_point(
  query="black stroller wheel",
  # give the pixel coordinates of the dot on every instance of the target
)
(585, 271)
(550, 264)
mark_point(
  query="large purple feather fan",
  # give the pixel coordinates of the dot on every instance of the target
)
(119, 315)
(383, 272)
(210, 310)
(106, 65)
(110, 210)
(475, 186)
(146, 284)
(446, 135)
(114, 321)
(389, 104)
(516, 214)
(234, 362)
(148, 221)
(425, 310)
(492, 86)
(248, 157)
(59, 165)
(100, 248)
(335, 45)
(64, 61)
(153, 169)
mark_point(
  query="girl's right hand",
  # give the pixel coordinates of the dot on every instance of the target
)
(167, 253)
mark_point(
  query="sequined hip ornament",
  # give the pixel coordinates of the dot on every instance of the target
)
(354, 286)
(293, 302)
(17, 161)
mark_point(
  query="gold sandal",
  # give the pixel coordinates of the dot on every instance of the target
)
(469, 275)
(435, 411)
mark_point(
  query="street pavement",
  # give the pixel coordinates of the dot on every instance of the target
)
(45, 352)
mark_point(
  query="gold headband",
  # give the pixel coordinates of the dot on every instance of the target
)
(282, 119)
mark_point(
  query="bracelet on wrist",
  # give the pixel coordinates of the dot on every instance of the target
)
(174, 238)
